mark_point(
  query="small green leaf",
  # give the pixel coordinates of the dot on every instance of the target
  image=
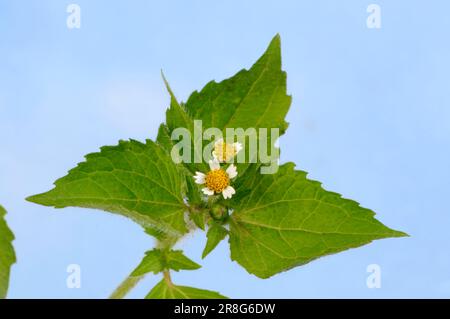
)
(176, 260)
(158, 260)
(136, 180)
(7, 255)
(216, 233)
(152, 262)
(288, 220)
(165, 290)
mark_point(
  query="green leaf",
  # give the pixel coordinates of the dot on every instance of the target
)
(133, 179)
(177, 117)
(288, 220)
(176, 260)
(216, 233)
(163, 138)
(251, 99)
(165, 290)
(158, 260)
(193, 193)
(152, 262)
(7, 255)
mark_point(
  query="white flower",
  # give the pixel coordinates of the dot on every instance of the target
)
(223, 152)
(217, 180)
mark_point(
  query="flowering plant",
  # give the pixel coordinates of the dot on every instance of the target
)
(275, 218)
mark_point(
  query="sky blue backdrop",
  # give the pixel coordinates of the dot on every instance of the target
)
(370, 118)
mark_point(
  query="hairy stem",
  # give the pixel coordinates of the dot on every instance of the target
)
(125, 287)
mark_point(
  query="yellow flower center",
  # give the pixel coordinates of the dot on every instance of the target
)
(217, 180)
(224, 151)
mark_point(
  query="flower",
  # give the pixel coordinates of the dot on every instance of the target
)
(223, 152)
(217, 180)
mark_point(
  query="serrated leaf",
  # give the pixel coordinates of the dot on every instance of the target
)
(193, 193)
(288, 220)
(177, 117)
(163, 138)
(7, 255)
(216, 233)
(165, 290)
(158, 260)
(176, 260)
(133, 179)
(152, 262)
(253, 98)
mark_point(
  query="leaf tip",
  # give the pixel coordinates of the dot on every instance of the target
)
(275, 42)
(396, 233)
(164, 78)
(169, 89)
(34, 198)
(40, 199)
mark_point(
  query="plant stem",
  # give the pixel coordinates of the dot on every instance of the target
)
(166, 274)
(124, 288)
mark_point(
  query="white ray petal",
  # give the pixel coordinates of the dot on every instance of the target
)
(207, 191)
(232, 171)
(199, 178)
(228, 192)
(214, 164)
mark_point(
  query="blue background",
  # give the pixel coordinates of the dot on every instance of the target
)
(370, 119)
